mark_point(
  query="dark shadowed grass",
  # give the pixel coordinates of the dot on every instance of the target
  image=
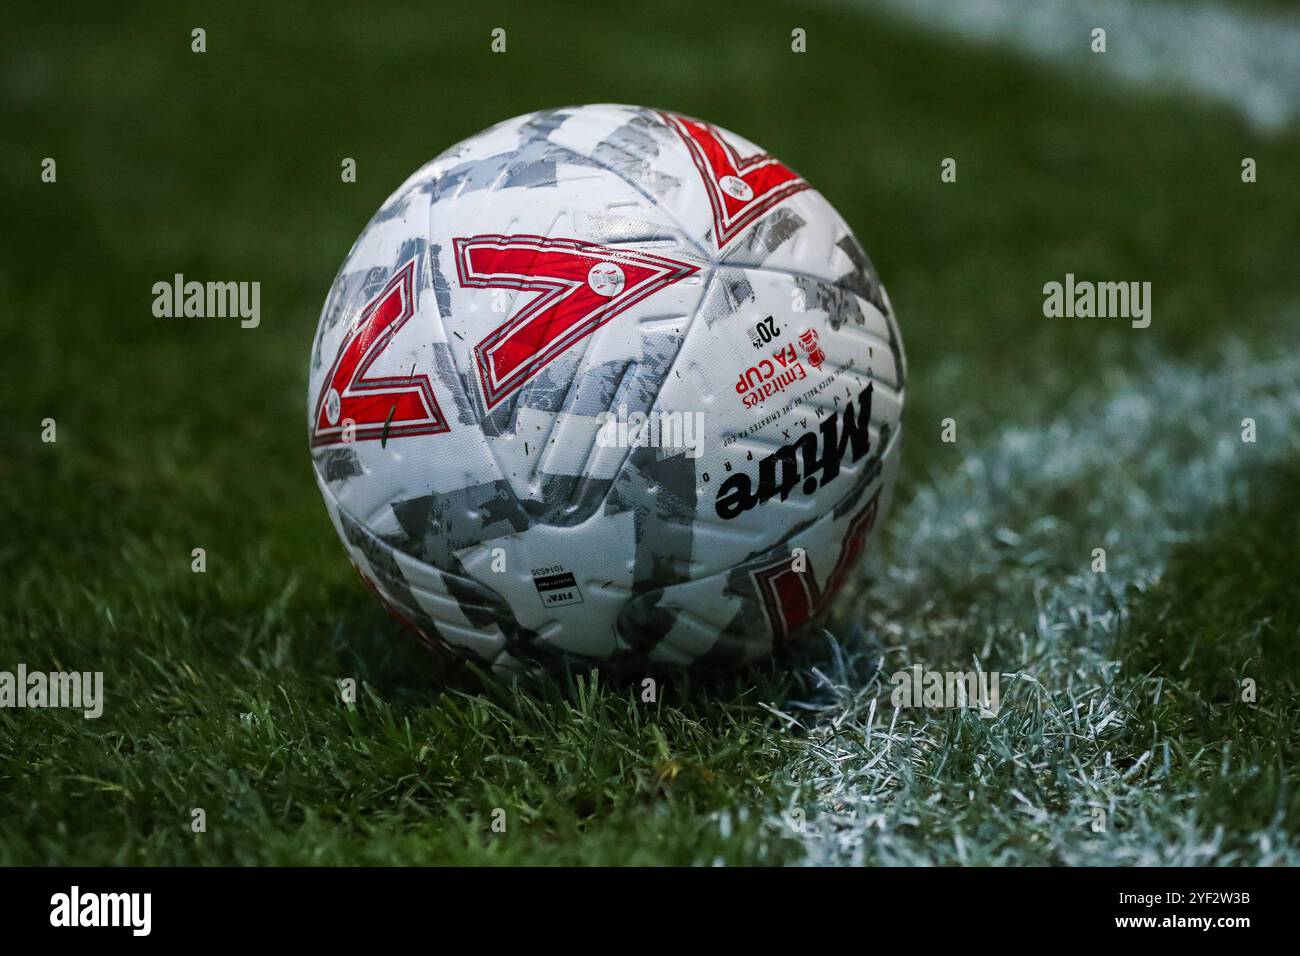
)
(1218, 641)
(286, 773)
(223, 687)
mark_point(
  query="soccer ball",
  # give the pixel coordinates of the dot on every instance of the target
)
(606, 385)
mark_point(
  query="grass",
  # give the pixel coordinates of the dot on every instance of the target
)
(320, 782)
(222, 687)
(1221, 667)
(1122, 736)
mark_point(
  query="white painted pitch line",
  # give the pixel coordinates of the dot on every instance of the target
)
(1244, 57)
(1147, 463)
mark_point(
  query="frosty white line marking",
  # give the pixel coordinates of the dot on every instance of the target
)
(1155, 456)
(1248, 59)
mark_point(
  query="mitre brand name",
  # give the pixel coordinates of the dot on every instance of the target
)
(818, 452)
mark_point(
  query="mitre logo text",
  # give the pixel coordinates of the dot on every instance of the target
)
(819, 452)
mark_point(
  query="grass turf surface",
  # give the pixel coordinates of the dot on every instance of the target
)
(173, 435)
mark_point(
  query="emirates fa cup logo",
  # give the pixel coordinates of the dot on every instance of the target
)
(808, 340)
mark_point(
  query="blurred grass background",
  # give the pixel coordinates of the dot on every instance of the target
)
(190, 433)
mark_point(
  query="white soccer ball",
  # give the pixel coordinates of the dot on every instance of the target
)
(606, 385)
